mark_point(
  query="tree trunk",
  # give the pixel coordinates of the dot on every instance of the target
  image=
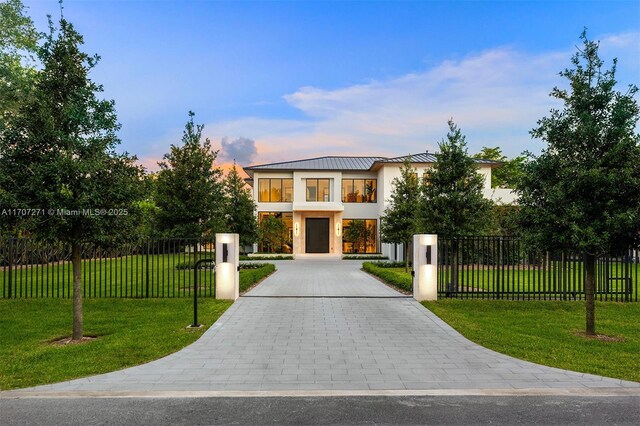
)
(589, 290)
(76, 262)
(406, 257)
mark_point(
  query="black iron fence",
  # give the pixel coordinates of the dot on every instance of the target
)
(142, 269)
(502, 268)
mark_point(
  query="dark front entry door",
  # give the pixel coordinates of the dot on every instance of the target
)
(317, 235)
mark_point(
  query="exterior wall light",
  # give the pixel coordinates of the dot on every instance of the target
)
(296, 229)
(429, 257)
(225, 253)
(338, 229)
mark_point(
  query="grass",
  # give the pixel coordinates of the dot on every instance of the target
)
(126, 276)
(545, 332)
(130, 332)
(507, 280)
(248, 277)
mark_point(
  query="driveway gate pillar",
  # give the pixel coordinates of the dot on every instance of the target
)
(227, 266)
(425, 267)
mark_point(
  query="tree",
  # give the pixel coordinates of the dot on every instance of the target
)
(239, 208)
(398, 222)
(452, 203)
(581, 193)
(358, 234)
(508, 173)
(272, 233)
(189, 193)
(60, 153)
(18, 48)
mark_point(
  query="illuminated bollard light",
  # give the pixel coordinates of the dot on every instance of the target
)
(425, 267)
(227, 266)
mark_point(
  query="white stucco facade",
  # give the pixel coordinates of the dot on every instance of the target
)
(334, 210)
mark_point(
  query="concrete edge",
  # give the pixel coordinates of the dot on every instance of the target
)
(579, 392)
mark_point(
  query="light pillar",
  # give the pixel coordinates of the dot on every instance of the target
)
(227, 266)
(425, 267)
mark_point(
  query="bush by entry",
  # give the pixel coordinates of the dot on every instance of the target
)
(548, 332)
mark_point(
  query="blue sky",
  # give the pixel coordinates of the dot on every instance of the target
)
(275, 81)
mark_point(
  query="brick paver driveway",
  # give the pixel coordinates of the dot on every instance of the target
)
(319, 325)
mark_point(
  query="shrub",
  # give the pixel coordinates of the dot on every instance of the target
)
(278, 257)
(253, 275)
(364, 257)
(389, 264)
(190, 264)
(394, 278)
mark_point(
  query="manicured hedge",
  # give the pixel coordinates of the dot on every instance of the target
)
(396, 279)
(258, 257)
(364, 257)
(249, 277)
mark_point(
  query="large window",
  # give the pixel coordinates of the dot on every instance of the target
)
(275, 190)
(318, 190)
(359, 190)
(359, 236)
(276, 237)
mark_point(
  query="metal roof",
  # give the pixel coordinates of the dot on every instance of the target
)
(322, 163)
(349, 163)
(429, 157)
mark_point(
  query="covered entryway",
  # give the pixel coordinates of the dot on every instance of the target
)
(317, 235)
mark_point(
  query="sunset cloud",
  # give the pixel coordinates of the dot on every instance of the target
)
(495, 96)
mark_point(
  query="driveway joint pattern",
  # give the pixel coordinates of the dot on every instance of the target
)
(319, 326)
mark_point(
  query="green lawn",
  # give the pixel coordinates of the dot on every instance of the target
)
(511, 279)
(126, 276)
(544, 332)
(130, 332)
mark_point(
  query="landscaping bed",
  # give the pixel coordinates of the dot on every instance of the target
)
(364, 257)
(390, 273)
(253, 273)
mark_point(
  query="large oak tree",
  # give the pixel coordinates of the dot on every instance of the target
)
(59, 153)
(582, 192)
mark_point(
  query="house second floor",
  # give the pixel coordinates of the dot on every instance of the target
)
(358, 186)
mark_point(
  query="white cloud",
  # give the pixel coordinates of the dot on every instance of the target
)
(495, 96)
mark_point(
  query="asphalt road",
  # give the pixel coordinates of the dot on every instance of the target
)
(465, 410)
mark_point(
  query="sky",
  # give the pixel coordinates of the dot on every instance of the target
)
(278, 81)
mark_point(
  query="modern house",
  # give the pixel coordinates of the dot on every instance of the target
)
(320, 198)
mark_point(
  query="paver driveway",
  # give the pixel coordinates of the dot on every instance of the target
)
(293, 333)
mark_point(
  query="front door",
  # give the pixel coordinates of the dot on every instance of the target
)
(317, 235)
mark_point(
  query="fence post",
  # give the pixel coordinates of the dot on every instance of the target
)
(9, 288)
(147, 271)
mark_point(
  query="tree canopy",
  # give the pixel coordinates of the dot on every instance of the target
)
(398, 222)
(452, 202)
(18, 53)
(189, 191)
(58, 153)
(508, 173)
(581, 193)
(239, 208)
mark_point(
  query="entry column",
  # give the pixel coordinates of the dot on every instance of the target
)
(425, 267)
(227, 266)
